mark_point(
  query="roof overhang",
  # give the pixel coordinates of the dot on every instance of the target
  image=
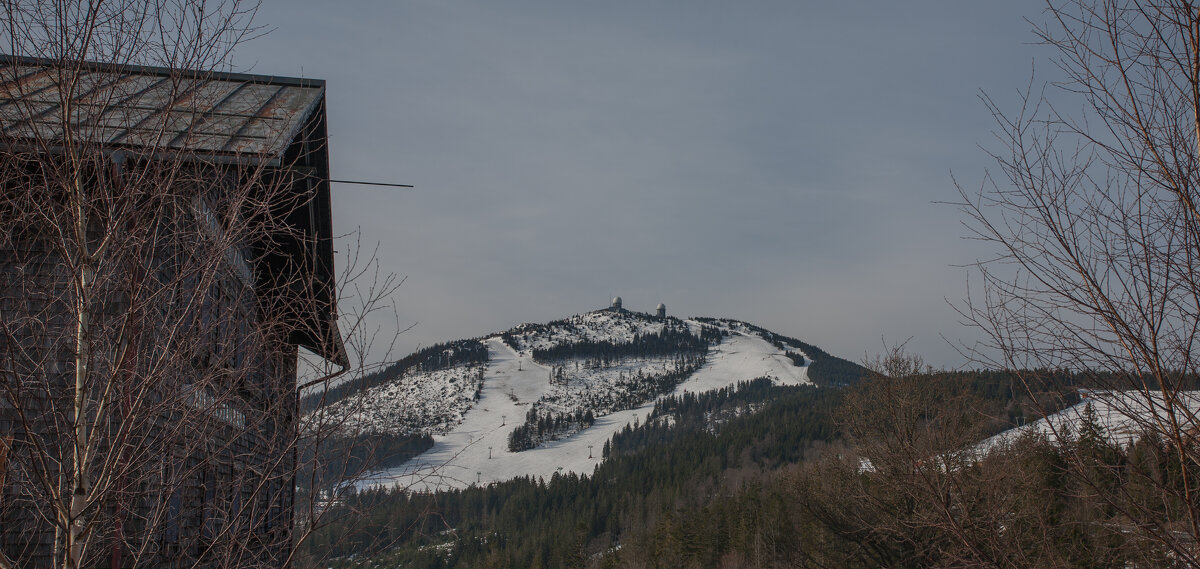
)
(268, 123)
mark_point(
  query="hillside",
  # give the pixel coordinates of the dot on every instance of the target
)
(541, 399)
(1122, 418)
(758, 475)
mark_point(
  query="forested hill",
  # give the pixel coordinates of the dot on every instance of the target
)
(540, 399)
(558, 522)
(615, 439)
(751, 472)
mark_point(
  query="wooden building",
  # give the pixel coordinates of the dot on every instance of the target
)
(165, 250)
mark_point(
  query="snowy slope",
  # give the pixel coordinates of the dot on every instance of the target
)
(476, 450)
(1122, 416)
(746, 356)
(601, 325)
(433, 402)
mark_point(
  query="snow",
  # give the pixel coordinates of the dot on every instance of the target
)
(476, 450)
(598, 326)
(417, 401)
(746, 356)
(598, 389)
(1122, 415)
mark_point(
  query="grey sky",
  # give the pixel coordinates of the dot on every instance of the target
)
(776, 162)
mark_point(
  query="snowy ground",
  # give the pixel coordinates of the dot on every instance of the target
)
(745, 356)
(598, 326)
(1122, 415)
(598, 389)
(476, 451)
(433, 401)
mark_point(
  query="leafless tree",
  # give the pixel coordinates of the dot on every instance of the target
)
(914, 486)
(1095, 221)
(153, 293)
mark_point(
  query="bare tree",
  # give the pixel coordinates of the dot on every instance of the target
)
(914, 487)
(163, 254)
(1095, 220)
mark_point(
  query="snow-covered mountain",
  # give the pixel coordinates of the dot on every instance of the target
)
(549, 396)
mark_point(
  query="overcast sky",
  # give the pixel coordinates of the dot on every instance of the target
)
(775, 162)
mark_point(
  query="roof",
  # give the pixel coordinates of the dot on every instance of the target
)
(215, 117)
(236, 115)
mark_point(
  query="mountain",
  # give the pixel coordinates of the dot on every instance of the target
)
(541, 399)
(774, 475)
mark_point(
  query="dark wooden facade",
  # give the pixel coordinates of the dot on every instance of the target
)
(224, 268)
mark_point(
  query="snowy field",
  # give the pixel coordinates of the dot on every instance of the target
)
(476, 451)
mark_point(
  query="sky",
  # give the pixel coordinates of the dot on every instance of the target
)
(783, 163)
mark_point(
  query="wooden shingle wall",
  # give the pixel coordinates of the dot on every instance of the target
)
(207, 481)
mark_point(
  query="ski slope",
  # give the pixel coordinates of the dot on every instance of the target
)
(1123, 417)
(476, 450)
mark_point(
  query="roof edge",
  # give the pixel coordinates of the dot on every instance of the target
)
(168, 71)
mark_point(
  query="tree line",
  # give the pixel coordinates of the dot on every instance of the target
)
(626, 393)
(540, 427)
(719, 484)
(562, 521)
(339, 458)
(921, 501)
(667, 341)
